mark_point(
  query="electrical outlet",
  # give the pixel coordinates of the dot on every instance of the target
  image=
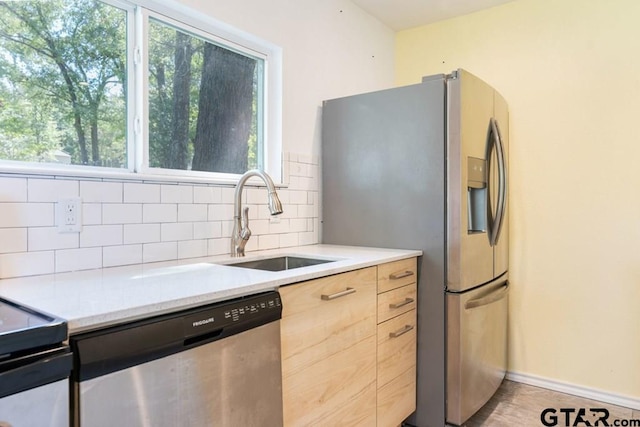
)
(69, 215)
(274, 219)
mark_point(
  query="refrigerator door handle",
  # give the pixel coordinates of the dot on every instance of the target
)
(494, 296)
(502, 182)
(495, 222)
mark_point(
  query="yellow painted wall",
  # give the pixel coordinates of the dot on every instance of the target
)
(570, 70)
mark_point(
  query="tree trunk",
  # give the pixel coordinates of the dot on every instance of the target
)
(82, 142)
(95, 144)
(178, 148)
(224, 111)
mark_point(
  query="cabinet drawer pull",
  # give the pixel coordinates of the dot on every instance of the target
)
(401, 304)
(396, 276)
(338, 294)
(399, 332)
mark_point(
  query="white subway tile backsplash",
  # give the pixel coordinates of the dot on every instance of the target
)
(298, 197)
(13, 240)
(46, 238)
(192, 212)
(159, 213)
(165, 251)
(91, 213)
(78, 259)
(13, 189)
(113, 256)
(177, 194)
(268, 241)
(227, 228)
(252, 244)
(308, 238)
(288, 240)
(101, 192)
(298, 225)
(128, 222)
(141, 193)
(101, 235)
(220, 212)
(228, 195)
(116, 213)
(259, 226)
(284, 196)
(305, 211)
(15, 215)
(51, 190)
(219, 246)
(203, 194)
(26, 264)
(257, 195)
(207, 230)
(141, 233)
(192, 249)
(176, 231)
(278, 226)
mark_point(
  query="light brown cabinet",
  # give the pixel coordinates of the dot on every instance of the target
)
(396, 365)
(329, 350)
(349, 348)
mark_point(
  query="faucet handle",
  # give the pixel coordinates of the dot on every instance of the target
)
(245, 233)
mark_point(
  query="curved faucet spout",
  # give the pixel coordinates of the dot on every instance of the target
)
(241, 232)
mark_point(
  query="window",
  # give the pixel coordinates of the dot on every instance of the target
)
(112, 85)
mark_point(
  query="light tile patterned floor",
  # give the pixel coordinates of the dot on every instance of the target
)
(516, 404)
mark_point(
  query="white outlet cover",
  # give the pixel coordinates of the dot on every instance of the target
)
(69, 215)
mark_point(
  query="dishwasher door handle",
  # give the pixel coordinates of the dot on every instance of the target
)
(346, 292)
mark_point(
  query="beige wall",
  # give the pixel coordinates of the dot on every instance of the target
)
(570, 70)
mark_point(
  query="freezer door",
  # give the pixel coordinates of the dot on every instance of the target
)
(470, 113)
(476, 348)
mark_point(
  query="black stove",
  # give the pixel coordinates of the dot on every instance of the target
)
(34, 367)
(24, 329)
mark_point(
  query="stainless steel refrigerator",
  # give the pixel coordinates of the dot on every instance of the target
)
(425, 167)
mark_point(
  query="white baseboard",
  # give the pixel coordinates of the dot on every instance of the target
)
(576, 390)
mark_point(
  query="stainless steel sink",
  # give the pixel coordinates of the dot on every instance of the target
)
(279, 263)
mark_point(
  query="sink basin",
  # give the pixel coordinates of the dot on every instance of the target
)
(279, 263)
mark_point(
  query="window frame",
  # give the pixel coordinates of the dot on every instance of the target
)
(183, 17)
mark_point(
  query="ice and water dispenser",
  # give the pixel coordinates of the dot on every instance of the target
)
(477, 195)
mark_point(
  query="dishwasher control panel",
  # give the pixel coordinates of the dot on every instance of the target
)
(261, 307)
(119, 347)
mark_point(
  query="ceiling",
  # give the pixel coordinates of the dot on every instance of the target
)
(402, 14)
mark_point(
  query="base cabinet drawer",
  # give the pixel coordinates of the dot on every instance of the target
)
(397, 399)
(397, 323)
(394, 303)
(396, 346)
(398, 273)
(329, 341)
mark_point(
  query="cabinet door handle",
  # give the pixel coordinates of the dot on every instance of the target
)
(338, 294)
(399, 332)
(401, 304)
(396, 276)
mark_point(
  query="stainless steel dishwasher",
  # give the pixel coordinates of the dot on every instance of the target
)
(217, 365)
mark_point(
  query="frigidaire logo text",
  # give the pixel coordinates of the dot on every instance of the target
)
(202, 322)
(566, 417)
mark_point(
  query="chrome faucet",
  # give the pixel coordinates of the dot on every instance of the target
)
(241, 232)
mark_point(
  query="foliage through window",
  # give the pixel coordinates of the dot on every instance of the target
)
(68, 92)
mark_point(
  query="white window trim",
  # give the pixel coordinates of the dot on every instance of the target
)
(137, 125)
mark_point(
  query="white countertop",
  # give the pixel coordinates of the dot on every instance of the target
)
(97, 298)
